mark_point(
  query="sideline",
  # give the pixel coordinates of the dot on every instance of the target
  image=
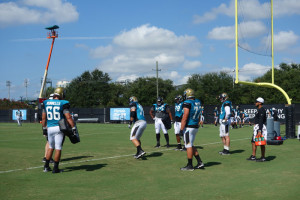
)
(111, 157)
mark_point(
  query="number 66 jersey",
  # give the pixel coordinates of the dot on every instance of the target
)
(55, 110)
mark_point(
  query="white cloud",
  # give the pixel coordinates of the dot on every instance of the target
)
(191, 64)
(252, 70)
(248, 29)
(284, 40)
(136, 51)
(130, 77)
(36, 11)
(252, 10)
(101, 52)
(286, 7)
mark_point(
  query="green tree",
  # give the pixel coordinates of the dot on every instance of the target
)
(287, 77)
(145, 90)
(91, 89)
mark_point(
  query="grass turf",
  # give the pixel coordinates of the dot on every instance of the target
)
(101, 166)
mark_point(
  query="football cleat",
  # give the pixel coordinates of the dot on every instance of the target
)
(252, 158)
(47, 169)
(187, 168)
(262, 159)
(140, 154)
(157, 146)
(199, 166)
(225, 152)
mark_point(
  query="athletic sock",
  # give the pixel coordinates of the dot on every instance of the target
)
(190, 162)
(158, 138)
(47, 164)
(167, 138)
(226, 148)
(198, 158)
(56, 165)
(138, 149)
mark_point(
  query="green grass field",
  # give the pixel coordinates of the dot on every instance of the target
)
(101, 166)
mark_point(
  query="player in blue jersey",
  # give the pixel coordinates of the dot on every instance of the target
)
(178, 117)
(138, 119)
(225, 114)
(158, 112)
(54, 110)
(189, 128)
(216, 116)
(245, 118)
(237, 116)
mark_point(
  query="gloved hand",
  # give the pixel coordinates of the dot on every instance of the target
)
(74, 130)
(45, 131)
(181, 133)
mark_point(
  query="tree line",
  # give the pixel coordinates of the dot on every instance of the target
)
(95, 89)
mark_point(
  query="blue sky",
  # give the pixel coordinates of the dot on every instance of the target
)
(125, 38)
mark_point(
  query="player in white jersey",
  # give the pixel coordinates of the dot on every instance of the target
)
(19, 117)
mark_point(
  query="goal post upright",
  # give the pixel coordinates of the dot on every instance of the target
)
(236, 45)
(289, 108)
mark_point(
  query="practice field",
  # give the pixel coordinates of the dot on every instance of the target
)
(102, 166)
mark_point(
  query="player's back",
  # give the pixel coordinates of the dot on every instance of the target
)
(54, 110)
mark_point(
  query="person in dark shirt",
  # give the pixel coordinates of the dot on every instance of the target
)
(259, 129)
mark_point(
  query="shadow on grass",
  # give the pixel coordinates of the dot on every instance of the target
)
(154, 154)
(237, 151)
(210, 164)
(75, 158)
(269, 158)
(85, 167)
(199, 147)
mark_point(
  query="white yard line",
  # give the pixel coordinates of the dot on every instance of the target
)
(106, 158)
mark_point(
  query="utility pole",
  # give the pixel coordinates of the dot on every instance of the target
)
(26, 85)
(157, 78)
(8, 83)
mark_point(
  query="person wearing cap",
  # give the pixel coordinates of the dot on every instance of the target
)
(259, 129)
(54, 110)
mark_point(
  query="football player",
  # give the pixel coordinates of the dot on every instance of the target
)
(201, 116)
(226, 110)
(138, 119)
(178, 117)
(47, 143)
(19, 117)
(237, 116)
(245, 118)
(159, 111)
(216, 116)
(189, 128)
(53, 110)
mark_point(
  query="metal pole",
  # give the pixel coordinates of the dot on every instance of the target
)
(236, 45)
(157, 79)
(8, 85)
(26, 84)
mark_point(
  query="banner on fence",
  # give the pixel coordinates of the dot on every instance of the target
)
(119, 114)
(23, 114)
